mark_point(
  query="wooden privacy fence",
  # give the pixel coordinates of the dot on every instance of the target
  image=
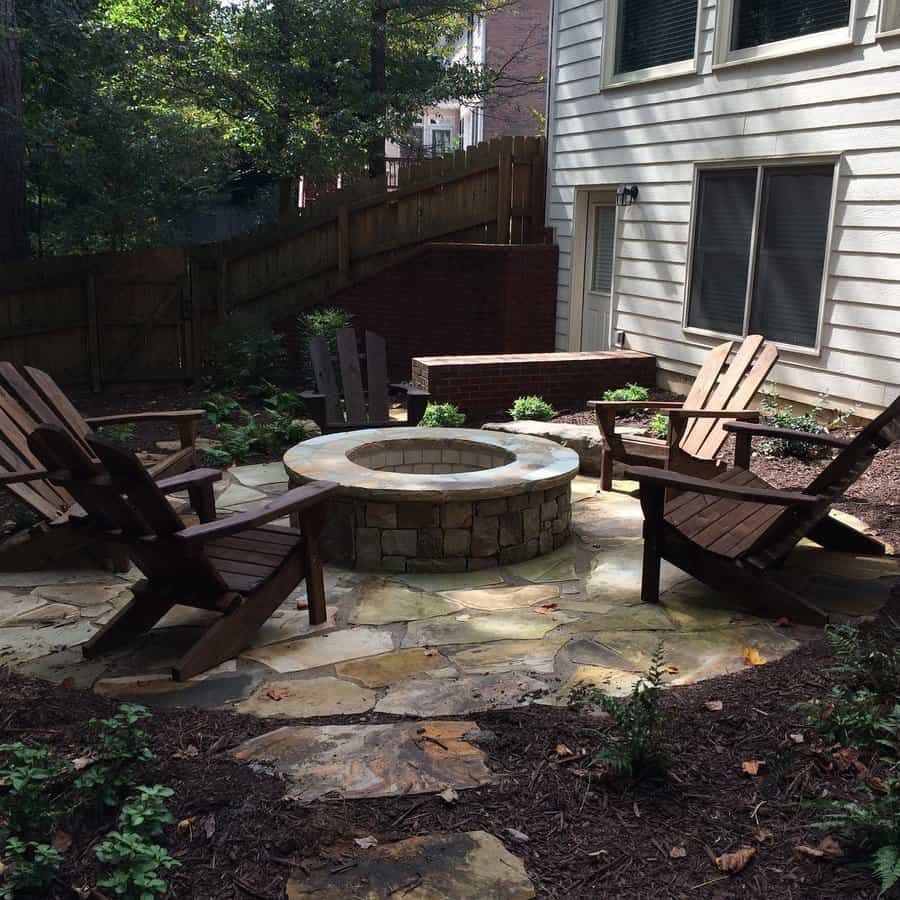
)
(148, 314)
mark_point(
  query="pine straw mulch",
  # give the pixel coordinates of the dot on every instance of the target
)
(588, 836)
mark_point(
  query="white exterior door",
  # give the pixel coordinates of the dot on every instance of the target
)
(598, 269)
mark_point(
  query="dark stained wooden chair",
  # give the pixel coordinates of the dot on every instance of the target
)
(359, 407)
(731, 531)
(720, 394)
(30, 397)
(240, 566)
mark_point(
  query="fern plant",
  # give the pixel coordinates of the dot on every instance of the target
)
(863, 663)
(886, 865)
(639, 743)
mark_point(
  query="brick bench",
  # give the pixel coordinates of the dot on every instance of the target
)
(484, 386)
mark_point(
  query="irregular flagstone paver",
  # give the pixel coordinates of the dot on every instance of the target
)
(59, 577)
(46, 614)
(641, 617)
(478, 627)
(694, 606)
(187, 617)
(470, 866)
(451, 581)
(14, 605)
(67, 666)
(511, 656)
(371, 760)
(844, 595)
(611, 681)
(583, 486)
(381, 602)
(380, 671)
(598, 519)
(286, 624)
(813, 560)
(256, 476)
(326, 696)
(236, 494)
(491, 598)
(26, 642)
(428, 696)
(556, 566)
(616, 571)
(84, 595)
(322, 650)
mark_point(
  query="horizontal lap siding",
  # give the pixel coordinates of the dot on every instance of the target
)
(844, 99)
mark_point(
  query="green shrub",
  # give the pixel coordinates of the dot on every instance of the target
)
(118, 434)
(145, 812)
(532, 408)
(659, 426)
(220, 408)
(631, 393)
(325, 322)
(640, 729)
(862, 662)
(27, 807)
(136, 865)
(245, 354)
(30, 869)
(442, 415)
(774, 413)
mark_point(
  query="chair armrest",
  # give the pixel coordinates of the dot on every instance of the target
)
(173, 415)
(624, 405)
(23, 476)
(292, 502)
(669, 479)
(194, 478)
(747, 415)
(753, 430)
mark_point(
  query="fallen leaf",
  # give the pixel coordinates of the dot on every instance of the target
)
(517, 835)
(752, 657)
(82, 762)
(277, 693)
(732, 863)
(669, 670)
(448, 795)
(68, 681)
(762, 835)
(797, 738)
(564, 750)
(189, 752)
(678, 853)
(752, 766)
(185, 826)
(846, 758)
(366, 842)
(208, 823)
(828, 848)
(714, 705)
(61, 841)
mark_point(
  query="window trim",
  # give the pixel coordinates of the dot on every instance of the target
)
(760, 165)
(725, 57)
(888, 19)
(609, 79)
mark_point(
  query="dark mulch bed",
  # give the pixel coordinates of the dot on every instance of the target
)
(589, 837)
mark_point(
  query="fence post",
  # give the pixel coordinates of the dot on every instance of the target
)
(221, 286)
(538, 191)
(93, 332)
(343, 244)
(504, 190)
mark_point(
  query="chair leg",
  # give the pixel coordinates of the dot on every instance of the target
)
(606, 470)
(140, 614)
(203, 501)
(312, 522)
(653, 500)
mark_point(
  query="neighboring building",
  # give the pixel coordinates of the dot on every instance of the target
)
(512, 40)
(764, 141)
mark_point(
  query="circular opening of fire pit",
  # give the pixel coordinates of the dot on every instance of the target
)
(439, 499)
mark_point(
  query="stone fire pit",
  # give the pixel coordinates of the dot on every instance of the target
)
(439, 499)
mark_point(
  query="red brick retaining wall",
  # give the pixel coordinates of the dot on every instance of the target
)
(483, 386)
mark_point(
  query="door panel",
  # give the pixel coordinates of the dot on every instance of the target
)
(598, 269)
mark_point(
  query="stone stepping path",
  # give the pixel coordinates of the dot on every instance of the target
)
(473, 865)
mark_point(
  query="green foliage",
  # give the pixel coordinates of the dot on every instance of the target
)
(442, 415)
(31, 867)
(854, 718)
(220, 408)
(27, 807)
(136, 865)
(145, 812)
(639, 743)
(532, 408)
(246, 354)
(118, 434)
(886, 865)
(659, 426)
(862, 662)
(631, 393)
(324, 322)
(120, 746)
(774, 413)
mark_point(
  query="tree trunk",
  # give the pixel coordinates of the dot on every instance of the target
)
(13, 233)
(377, 83)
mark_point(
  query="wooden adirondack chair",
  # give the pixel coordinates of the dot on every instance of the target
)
(361, 409)
(719, 395)
(731, 531)
(30, 397)
(240, 566)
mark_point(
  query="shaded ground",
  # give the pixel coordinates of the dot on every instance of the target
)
(587, 837)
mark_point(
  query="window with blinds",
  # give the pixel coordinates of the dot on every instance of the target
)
(782, 280)
(654, 33)
(604, 247)
(757, 22)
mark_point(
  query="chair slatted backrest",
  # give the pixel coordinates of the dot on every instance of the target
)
(362, 405)
(122, 499)
(718, 387)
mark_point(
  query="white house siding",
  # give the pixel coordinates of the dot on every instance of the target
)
(843, 100)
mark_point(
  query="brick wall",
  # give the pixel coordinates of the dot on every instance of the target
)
(516, 40)
(485, 386)
(455, 299)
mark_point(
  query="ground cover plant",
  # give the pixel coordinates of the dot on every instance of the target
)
(442, 415)
(631, 393)
(246, 354)
(531, 407)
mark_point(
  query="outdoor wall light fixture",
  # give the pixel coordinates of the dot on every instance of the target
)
(626, 194)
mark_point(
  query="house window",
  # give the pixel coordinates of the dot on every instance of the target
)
(890, 15)
(756, 22)
(760, 239)
(649, 39)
